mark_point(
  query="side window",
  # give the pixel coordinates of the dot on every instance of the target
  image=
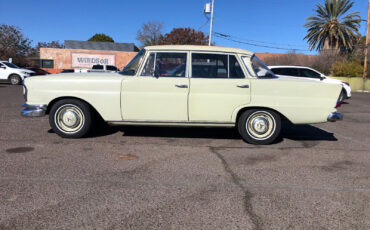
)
(286, 71)
(98, 67)
(165, 64)
(111, 67)
(234, 68)
(209, 66)
(276, 71)
(309, 73)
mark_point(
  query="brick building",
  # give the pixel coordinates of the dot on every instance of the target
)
(84, 54)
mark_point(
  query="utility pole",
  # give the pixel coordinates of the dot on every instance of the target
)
(210, 28)
(367, 42)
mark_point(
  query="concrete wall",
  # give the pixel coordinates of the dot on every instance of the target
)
(356, 83)
(63, 57)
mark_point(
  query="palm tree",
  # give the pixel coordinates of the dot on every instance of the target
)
(330, 28)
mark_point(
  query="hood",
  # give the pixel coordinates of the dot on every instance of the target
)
(332, 80)
(26, 70)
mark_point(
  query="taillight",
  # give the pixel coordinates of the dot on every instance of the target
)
(339, 103)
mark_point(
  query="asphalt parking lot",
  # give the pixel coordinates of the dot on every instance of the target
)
(314, 177)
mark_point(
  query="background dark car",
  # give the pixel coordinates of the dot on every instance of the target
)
(38, 71)
(68, 71)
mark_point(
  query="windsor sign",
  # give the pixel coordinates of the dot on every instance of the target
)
(88, 60)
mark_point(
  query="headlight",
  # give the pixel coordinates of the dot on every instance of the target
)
(24, 72)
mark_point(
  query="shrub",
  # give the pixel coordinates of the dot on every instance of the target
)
(347, 69)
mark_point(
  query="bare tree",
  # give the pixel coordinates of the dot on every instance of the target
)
(150, 33)
(13, 44)
(52, 44)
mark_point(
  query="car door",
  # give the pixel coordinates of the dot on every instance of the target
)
(3, 72)
(160, 91)
(218, 87)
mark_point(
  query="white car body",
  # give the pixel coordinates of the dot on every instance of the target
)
(323, 78)
(8, 69)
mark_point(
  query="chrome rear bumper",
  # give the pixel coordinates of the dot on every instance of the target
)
(335, 117)
(33, 110)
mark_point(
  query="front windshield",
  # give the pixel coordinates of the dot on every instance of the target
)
(11, 65)
(260, 69)
(132, 67)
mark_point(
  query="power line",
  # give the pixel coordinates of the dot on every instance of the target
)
(258, 45)
(246, 39)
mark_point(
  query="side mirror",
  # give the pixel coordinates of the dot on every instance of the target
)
(2, 67)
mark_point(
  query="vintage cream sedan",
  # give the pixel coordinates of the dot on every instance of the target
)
(182, 86)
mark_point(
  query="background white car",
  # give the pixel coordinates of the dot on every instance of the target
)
(309, 73)
(11, 72)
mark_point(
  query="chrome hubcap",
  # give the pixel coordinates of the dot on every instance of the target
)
(69, 118)
(14, 80)
(260, 125)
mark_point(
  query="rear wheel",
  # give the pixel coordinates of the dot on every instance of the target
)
(15, 79)
(71, 118)
(259, 126)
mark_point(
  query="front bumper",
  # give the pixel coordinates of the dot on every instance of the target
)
(33, 110)
(333, 117)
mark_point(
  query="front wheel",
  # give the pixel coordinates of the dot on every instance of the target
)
(70, 118)
(15, 79)
(259, 126)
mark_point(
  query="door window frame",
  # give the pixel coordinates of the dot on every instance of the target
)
(190, 67)
(147, 55)
(301, 73)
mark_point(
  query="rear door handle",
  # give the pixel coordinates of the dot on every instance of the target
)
(243, 86)
(181, 86)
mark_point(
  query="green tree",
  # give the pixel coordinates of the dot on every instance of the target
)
(150, 33)
(101, 38)
(332, 27)
(184, 36)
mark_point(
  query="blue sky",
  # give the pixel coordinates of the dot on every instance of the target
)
(272, 21)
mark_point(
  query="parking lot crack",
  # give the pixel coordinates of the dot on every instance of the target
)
(248, 207)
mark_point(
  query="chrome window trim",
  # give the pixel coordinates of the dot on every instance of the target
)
(155, 57)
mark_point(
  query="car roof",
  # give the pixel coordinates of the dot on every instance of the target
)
(199, 48)
(287, 66)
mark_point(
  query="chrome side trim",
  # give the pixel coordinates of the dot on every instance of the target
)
(33, 110)
(333, 117)
(171, 123)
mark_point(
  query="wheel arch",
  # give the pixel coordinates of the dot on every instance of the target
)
(242, 110)
(55, 100)
(11, 74)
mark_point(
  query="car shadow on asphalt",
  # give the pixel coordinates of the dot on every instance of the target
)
(305, 133)
(289, 131)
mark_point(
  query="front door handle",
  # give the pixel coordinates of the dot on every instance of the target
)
(243, 86)
(181, 86)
